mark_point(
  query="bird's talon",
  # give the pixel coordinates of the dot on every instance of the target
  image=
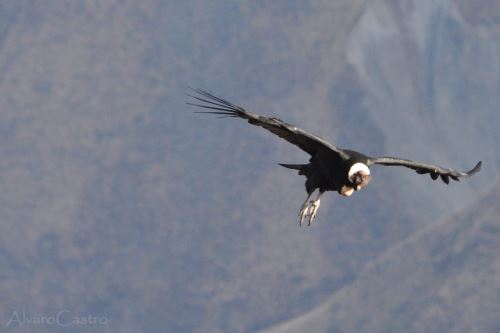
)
(304, 212)
(313, 211)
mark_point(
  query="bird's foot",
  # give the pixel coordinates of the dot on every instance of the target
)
(309, 209)
(313, 210)
(304, 212)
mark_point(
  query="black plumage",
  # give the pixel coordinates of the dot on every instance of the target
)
(330, 168)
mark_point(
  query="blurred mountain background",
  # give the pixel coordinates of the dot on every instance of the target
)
(118, 202)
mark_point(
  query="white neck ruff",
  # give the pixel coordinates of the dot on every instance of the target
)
(357, 167)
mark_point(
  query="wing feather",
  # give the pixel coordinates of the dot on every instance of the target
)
(306, 141)
(435, 171)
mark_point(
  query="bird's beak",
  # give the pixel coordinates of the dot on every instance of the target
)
(365, 179)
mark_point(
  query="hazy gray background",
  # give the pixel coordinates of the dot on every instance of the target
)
(118, 202)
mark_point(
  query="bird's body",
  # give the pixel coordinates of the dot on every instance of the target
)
(328, 172)
(330, 168)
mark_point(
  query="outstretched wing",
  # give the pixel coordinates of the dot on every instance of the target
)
(434, 170)
(304, 140)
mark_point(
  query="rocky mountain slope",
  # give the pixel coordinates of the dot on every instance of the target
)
(442, 279)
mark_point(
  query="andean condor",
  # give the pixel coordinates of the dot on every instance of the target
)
(330, 168)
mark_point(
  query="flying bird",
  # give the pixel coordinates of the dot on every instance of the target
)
(330, 168)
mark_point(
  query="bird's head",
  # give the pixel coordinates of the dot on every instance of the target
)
(359, 175)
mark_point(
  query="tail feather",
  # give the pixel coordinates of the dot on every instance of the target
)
(292, 166)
